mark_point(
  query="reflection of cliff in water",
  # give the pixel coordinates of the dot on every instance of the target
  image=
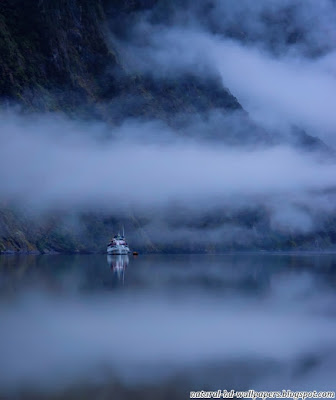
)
(118, 264)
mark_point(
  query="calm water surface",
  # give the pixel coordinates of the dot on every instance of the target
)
(158, 326)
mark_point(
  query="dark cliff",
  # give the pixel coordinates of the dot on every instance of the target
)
(56, 56)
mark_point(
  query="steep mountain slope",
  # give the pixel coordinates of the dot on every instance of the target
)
(56, 56)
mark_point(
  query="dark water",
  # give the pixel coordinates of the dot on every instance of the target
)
(158, 326)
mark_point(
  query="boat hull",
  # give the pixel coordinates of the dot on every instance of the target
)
(118, 250)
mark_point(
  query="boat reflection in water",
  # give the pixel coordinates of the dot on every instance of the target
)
(118, 264)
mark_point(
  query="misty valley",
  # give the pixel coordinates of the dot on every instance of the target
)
(202, 128)
(167, 198)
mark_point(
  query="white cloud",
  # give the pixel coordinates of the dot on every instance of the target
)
(279, 88)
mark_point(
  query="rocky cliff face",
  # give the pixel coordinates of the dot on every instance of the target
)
(56, 56)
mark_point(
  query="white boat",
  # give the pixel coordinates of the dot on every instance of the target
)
(118, 245)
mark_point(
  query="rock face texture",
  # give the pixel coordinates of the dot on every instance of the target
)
(53, 53)
(58, 56)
